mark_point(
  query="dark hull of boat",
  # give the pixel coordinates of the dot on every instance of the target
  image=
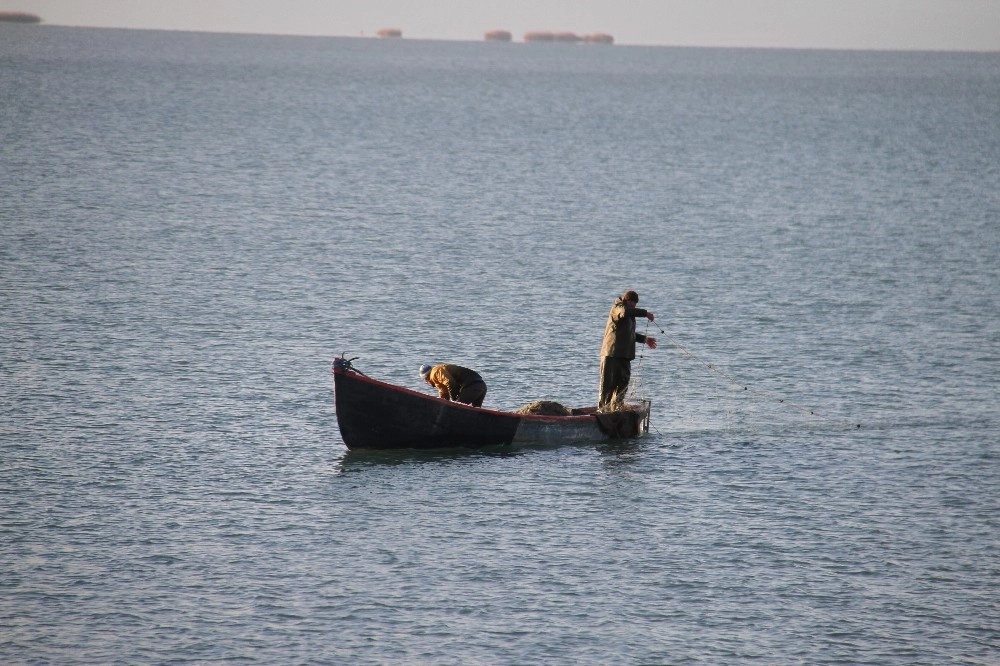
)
(377, 415)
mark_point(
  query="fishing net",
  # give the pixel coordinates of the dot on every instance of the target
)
(544, 408)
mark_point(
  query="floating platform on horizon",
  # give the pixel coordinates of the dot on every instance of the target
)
(568, 37)
(498, 36)
(19, 17)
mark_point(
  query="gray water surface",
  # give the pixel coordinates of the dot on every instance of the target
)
(194, 225)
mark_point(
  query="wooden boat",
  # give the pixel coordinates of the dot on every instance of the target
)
(376, 415)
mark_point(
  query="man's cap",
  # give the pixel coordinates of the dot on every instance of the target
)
(425, 370)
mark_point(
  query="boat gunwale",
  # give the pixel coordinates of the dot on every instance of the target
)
(458, 405)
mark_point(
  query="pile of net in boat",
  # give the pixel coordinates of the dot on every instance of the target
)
(544, 408)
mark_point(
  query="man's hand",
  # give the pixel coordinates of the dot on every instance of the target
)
(651, 342)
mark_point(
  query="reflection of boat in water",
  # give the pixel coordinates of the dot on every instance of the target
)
(377, 415)
(19, 17)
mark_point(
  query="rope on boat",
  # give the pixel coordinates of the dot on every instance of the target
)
(344, 363)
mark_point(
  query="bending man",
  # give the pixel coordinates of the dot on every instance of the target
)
(455, 383)
(618, 349)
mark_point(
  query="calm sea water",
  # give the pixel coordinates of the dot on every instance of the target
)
(194, 225)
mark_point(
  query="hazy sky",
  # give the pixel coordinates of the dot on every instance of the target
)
(851, 24)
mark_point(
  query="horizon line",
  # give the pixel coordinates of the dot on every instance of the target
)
(375, 37)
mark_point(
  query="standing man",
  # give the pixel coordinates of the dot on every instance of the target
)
(618, 349)
(455, 383)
